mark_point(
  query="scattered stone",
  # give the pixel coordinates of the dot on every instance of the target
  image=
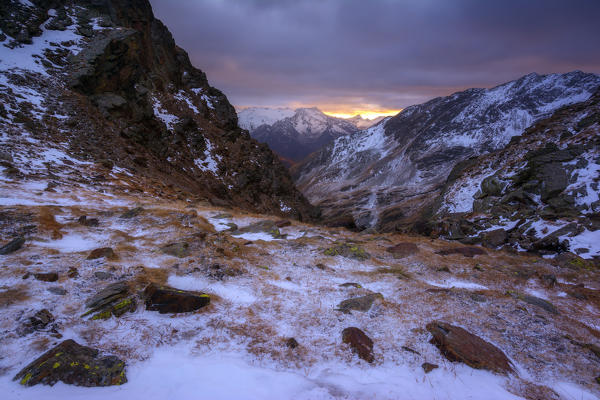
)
(428, 367)
(457, 344)
(406, 348)
(362, 303)
(103, 252)
(38, 321)
(57, 290)
(444, 269)
(72, 273)
(85, 221)
(220, 272)
(73, 364)
(467, 251)
(351, 284)
(12, 246)
(348, 250)
(46, 276)
(107, 295)
(321, 266)
(291, 343)
(169, 300)
(134, 212)
(103, 275)
(179, 249)
(536, 301)
(359, 342)
(283, 223)
(402, 250)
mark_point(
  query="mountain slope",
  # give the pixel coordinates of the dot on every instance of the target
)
(385, 176)
(294, 134)
(104, 81)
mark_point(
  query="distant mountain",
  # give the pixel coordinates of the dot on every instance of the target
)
(386, 176)
(294, 134)
(364, 123)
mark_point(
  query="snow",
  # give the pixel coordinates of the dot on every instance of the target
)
(183, 97)
(210, 161)
(453, 283)
(587, 240)
(208, 101)
(169, 119)
(253, 117)
(460, 196)
(232, 292)
(586, 177)
(223, 375)
(73, 243)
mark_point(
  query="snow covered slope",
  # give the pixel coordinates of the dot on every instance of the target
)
(294, 134)
(105, 81)
(385, 176)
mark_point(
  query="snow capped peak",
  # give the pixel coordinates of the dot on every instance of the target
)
(252, 117)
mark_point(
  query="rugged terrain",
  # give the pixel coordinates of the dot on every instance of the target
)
(282, 296)
(105, 80)
(294, 134)
(385, 177)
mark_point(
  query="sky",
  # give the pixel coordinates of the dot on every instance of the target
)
(349, 56)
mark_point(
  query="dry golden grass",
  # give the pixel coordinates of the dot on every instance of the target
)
(47, 223)
(16, 294)
(146, 276)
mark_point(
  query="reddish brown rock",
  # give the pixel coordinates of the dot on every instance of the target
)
(283, 223)
(428, 367)
(170, 300)
(457, 344)
(359, 342)
(46, 276)
(467, 251)
(105, 252)
(402, 250)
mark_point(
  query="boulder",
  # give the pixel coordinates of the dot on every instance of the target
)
(134, 212)
(457, 344)
(492, 186)
(103, 252)
(85, 221)
(179, 249)
(57, 290)
(111, 300)
(348, 250)
(46, 276)
(494, 238)
(74, 364)
(467, 251)
(535, 301)
(12, 246)
(170, 300)
(428, 367)
(362, 303)
(359, 342)
(402, 250)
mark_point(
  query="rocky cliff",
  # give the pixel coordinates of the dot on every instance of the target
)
(386, 176)
(103, 80)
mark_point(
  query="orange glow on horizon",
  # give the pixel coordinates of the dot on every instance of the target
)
(366, 114)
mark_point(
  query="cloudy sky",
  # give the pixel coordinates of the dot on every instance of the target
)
(348, 55)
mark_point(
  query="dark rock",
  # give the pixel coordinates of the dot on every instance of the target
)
(348, 250)
(549, 280)
(109, 294)
(402, 250)
(359, 342)
(103, 252)
(46, 276)
(362, 303)
(406, 348)
(103, 275)
(492, 186)
(351, 284)
(72, 272)
(85, 221)
(457, 344)
(57, 290)
(73, 364)
(494, 238)
(134, 212)
(291, 343)
(427, 367)
(536, 301)
(478, 297)
(12, 246)
(283, 223)
(444, 269)
(179, 249)
(169, 300)
(112, 300)
(467, 251)
(40, 320)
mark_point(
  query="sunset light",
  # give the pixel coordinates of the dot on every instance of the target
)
(366, 114)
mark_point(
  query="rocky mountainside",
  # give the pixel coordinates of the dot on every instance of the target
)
(294, 134)
(386, 176)
(364, 123)
(103, 81)
(539, 193)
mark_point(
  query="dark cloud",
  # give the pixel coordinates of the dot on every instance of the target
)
(390, 53)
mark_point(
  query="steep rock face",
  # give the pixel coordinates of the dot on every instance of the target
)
(104, 80)
(294, 134)
(540, 193)
(385, 176)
